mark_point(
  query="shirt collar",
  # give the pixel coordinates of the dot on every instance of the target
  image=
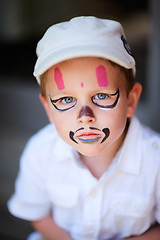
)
(130, 152)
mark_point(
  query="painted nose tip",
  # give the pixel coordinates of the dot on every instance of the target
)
(86, 119)
(86, 115)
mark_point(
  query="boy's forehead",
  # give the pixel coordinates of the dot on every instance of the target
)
(74, 66)
(96, 66)
(101, 75)
(86, 68)
(81, 60)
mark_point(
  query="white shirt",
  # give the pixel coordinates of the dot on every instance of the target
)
(125, 201)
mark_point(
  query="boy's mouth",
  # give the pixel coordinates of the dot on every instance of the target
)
(89, 137)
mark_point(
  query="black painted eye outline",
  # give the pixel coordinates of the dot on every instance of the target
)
(92, 98)
(60, 99)
(108, 95)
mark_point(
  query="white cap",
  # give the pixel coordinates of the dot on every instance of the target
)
(83, 37)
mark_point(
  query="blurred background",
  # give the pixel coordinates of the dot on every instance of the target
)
(22, 24)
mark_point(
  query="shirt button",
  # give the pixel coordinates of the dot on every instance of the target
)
(93, 194)
(155, 145)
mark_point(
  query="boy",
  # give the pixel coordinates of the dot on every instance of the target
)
(96, 174)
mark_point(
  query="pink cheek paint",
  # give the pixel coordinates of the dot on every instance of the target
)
(58, 79)
(101, 76)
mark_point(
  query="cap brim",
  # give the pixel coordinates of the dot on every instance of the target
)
(53, 57)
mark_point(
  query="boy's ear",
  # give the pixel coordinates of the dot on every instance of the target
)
(46, 107)
(133, 98)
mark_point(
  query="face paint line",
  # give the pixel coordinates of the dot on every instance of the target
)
(60, 110)
(79, 129)
(89, 141)
(109, 107)
(71, 135)
(107, 133)
(101, 76)
(58, 79)
(93, 128)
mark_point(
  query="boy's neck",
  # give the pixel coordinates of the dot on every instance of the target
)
(99, 164)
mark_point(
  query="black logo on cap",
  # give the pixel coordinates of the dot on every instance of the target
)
(126, 46)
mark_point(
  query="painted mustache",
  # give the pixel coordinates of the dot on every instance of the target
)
(106, 131)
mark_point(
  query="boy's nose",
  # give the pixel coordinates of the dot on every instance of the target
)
(86, 115)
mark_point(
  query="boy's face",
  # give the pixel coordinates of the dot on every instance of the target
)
(87, 101)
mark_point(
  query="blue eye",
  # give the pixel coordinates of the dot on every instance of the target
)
(100, 96)
(67, 100)
(104, 100)
(64, 103)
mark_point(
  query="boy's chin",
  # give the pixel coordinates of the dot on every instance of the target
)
(89, 150)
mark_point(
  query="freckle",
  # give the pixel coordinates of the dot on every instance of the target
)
(82, 84)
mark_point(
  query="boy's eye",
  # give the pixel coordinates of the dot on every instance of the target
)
(64, 103)
(104, 100)
(67, 99)
(100, 96)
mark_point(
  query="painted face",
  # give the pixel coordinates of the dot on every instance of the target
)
(88, 103)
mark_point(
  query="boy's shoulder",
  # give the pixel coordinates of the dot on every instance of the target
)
(44, 151)
(146, 134)
(151, 142)
(44, 135)
(151, 137)
(44, 141)
(142, 140)
(141, 147)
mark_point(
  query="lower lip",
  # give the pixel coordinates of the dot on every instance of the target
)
(89, 140)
